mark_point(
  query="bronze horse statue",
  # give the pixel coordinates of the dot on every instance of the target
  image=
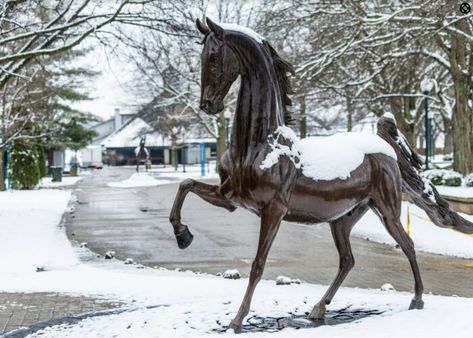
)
(142, 154)
(281, 191)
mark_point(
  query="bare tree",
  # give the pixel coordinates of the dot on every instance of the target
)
(33, 30)
(376, 53)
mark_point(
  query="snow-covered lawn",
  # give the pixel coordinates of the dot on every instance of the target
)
(46, 182)
(463, 191)
(29, 234)
(163, 303)
(426, 235)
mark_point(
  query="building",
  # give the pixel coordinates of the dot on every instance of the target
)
(107, 127)
(119, 147)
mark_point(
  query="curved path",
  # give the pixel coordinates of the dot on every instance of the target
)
(134, 223)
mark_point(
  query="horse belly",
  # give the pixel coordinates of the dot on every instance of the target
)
(324, 201)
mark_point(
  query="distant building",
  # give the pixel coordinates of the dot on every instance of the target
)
(107, 127)
(119, 147)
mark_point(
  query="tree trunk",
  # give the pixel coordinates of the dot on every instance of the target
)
(462, 129)
(2, 178)
(221, 138)
(349, 115)
(462, 119)
(303, 119)
(448, 143)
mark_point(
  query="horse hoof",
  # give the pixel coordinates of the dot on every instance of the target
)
(236, 327)
(416, 304)
(318, 312)
(184, 239)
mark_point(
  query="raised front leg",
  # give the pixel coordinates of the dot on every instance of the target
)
(209, 193)
(341, 229)
(271, 217)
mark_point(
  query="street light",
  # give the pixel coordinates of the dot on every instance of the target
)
(426, 87)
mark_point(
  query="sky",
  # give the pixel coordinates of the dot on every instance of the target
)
(111, 88)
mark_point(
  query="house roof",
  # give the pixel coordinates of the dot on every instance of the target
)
(129, 135)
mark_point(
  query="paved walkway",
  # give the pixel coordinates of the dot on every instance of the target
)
(134, 223)
(24, 309)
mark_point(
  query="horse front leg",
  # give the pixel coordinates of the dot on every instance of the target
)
(208, 192)
(271, 217)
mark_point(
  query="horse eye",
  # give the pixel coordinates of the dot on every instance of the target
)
(213, 58)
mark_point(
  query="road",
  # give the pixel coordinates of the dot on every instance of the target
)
(134, 223)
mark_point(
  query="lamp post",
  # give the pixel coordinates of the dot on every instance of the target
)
(427, 129)
(426, 86)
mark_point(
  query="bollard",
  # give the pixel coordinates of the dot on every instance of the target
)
(408, 225)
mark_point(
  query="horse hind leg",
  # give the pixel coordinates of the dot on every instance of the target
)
(390, 217)
(341, 229)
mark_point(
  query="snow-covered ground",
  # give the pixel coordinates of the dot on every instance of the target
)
(29, 234)
(463, 191)
(426, 235)
(163, 303)
(46, 182)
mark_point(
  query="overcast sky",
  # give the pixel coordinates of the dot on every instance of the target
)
(110, 89)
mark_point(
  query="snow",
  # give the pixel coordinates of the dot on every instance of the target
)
(402, 141)
(245, 30)
(187, 305)
(389, 116)
(465, 192)
(139, 180)
(387, 287)
(164, 303)
(326, 158)
(428, 189)
(426, 85)
(283, 280)
(441, 175)
(46, 182)
(29, 236)
(232, 274)
(426, 235)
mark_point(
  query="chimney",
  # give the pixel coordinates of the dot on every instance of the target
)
(118, 119)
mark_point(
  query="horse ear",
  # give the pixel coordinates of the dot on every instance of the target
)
(219, 31)
(201, 26)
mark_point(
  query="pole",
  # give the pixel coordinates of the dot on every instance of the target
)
(408, 225)
(8, 184)
(202, 159)
(427, 131)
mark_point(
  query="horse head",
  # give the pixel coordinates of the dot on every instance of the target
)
(220, 67)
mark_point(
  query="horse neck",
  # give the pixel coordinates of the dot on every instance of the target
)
(259, 109)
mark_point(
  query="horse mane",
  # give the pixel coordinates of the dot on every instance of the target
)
(282, 67)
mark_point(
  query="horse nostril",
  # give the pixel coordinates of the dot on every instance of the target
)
(205, 105)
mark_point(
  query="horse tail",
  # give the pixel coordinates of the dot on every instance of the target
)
(422, 191)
